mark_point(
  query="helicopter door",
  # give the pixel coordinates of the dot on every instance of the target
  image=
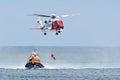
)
(57, 25)
(54, 25)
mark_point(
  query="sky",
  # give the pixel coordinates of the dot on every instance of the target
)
(97, 25)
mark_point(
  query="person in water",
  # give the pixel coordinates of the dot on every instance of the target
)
(53, 57)
(34, 60)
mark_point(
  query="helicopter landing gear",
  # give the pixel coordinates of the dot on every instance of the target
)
(56, 33)
(45, 33)
(59, 31)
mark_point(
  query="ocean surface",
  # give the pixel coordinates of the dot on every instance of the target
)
(72, 63)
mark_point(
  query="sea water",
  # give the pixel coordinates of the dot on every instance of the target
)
(72, 63)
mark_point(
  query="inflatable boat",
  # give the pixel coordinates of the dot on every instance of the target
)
(33, 65)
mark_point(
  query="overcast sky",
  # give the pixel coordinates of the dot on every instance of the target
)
(97, 25)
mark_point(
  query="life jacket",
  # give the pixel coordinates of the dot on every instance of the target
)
(31, 59)
(34, 59)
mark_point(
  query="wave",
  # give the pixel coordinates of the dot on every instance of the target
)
(61, 67)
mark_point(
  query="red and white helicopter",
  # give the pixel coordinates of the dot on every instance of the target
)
(54, 24)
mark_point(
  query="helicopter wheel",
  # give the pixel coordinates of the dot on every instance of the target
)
(45, 33)
(59, 31)
(56, 33)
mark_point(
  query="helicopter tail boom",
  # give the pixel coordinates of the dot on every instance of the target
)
(41, 28)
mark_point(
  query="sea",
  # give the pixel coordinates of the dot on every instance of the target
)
(72, 63)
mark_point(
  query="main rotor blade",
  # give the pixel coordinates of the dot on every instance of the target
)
(67, 15)
(42, 15)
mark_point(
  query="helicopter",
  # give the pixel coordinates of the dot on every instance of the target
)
(53, 24)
